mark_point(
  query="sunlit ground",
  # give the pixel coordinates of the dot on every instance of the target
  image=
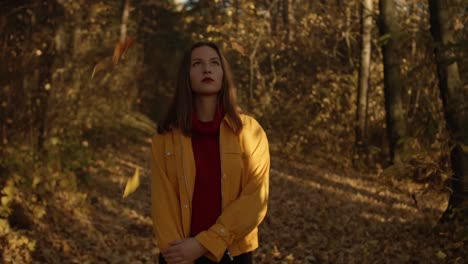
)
(315, 216)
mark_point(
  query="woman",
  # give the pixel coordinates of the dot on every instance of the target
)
(210, 168)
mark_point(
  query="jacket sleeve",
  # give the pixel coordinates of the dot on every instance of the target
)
(165, 209)
(244, 214)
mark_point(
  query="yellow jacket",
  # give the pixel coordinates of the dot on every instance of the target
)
(245, 166)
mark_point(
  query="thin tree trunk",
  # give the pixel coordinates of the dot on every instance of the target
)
(43, 95)
(348, 34)
(121, 45)
(274, 11)
(123, 24)
(395, 116)
(44, 83)
(361, 110)
(235, 16)
(453, 101)
(288, 19)
(252, 65)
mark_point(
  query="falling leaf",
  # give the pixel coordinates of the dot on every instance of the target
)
(237, 47)
(117, 52)
(5, 200)
(132, 183)
(275, 252)
(101, 65)
(121, 48)
(441, 255)
(464, 147)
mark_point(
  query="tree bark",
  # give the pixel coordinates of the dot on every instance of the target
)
(364, 75)
(395, 116)
(123, 24)
(347, 34)
(235, 16)
(288, 19)
(44, 81)
(451, 92)
(274, 11)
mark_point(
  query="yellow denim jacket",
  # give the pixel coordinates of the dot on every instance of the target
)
(245, 166)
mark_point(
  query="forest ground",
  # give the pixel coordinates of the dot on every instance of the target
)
(317, 214)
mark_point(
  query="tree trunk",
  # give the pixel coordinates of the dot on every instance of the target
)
(347, 34)
(235, 16)
(288, 19)
(453, 102)
(42, 99)
(123, 24)
(44, 81)
(395, 116)
(275, 12)
(363, 86)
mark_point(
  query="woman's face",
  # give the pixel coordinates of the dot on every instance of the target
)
(206, 72)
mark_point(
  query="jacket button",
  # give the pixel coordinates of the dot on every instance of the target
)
(221, 230)
(185, 206)
(168, 153)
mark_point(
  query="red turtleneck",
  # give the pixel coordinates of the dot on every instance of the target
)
(206, 200)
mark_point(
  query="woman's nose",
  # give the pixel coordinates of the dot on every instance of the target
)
(206, 68)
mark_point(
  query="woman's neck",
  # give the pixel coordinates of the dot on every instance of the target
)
(206, 107)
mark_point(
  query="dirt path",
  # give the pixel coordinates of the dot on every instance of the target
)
(315, 216)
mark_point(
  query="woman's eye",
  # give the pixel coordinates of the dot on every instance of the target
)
(215, 63)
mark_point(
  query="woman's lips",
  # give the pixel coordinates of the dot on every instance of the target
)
(207, 80)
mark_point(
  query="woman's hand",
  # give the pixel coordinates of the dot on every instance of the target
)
(184, 251)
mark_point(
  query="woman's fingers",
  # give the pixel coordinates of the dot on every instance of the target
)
(175, 257)
(176, 242)
(170, 250)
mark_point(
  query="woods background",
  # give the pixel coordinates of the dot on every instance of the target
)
(378, 87)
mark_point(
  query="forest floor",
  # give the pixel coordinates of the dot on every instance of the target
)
(316, 215)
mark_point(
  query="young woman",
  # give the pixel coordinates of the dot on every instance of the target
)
(210, 168)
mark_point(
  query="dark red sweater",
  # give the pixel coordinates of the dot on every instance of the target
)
(206, 200)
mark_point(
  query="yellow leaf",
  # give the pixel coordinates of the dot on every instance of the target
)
(132, 183)
(441, 255)
(36, 180)
(9, 190)
(464, 147)
(5, 200)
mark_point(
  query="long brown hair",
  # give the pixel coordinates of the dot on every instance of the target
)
(179, 114)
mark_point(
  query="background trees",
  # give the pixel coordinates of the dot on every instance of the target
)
(453, 98)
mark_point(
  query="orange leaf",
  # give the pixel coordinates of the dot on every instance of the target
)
(117, 52)
(121, 48)
(237, 47)
(128, 43)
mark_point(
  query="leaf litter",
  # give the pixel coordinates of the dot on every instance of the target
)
(315, 215)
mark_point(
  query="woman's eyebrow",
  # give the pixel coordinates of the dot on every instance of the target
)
(213, 58)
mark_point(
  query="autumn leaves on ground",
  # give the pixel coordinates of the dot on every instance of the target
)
(316, 215)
